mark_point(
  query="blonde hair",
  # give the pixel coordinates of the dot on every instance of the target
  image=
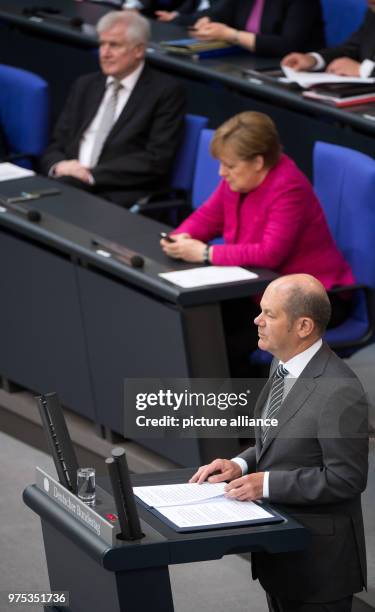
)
(249, 134)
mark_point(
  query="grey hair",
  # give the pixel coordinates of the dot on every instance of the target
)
(137, 27)
(312, 304)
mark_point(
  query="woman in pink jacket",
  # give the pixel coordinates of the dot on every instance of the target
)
(265, 209)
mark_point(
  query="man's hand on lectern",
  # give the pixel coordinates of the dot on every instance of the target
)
(246, 488)
(218, 470)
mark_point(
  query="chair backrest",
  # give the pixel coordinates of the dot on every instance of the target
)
(344, 181)
(206, 175)
(24, 106)
(183, 172)
(342, 18)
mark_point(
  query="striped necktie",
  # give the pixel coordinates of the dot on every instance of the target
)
(106, 123)
(276, 397)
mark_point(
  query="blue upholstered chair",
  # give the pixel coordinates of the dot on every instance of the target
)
(206, 174)
(344, 181)
(342, 18)
(183, 171)
(24, 108)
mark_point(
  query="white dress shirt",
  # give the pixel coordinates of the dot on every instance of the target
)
(365, 69)
(295, 367)
(88, 137)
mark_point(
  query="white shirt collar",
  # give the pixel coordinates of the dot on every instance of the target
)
(130, 81)
(297, 364)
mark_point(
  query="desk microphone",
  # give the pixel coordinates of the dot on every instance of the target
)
(124, 497)
(51, 15)
(122, 254)
(32, 215)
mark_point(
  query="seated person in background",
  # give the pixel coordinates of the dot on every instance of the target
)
(355, 57)
(266, 27)
(269, 217)
(119, 131)
(187, 13)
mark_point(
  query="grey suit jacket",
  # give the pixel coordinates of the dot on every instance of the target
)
(318, 461)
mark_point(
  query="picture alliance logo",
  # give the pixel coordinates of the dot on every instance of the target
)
(188, 399)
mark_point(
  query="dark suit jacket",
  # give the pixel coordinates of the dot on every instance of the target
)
(318, 466)
(360, 46)
(138, 154)
(188, 13)
(287, 25)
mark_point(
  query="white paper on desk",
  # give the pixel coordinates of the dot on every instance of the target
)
(308, 79)
(160, 496)
(9, 172)
(210, 275)
(214, 513)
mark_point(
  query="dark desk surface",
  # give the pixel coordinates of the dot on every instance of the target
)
(11, 11)
(226, 71)
(73, 218)
(162, 544)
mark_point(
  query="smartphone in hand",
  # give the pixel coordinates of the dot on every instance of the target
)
(166, 237)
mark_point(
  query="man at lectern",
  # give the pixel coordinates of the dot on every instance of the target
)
(314, 463)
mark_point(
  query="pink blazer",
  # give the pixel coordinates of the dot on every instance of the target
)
(279, 225)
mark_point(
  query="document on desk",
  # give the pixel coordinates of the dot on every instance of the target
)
(9, 171)
(175, 494)
(193, 507)
(210, 275)
(308, 79)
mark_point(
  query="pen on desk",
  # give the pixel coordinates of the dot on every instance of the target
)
(245, 72)
(255, 81)
(25, 196)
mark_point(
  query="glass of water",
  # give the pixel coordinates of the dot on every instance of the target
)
(86, 485)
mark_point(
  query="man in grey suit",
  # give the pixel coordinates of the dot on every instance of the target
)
(314, 462)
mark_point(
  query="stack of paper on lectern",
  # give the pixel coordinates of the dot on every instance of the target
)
(193, 507)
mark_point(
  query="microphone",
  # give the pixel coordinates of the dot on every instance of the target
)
(32, 215)
(52, 14)
(136, 261)
(122, 254)
(124, 497)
